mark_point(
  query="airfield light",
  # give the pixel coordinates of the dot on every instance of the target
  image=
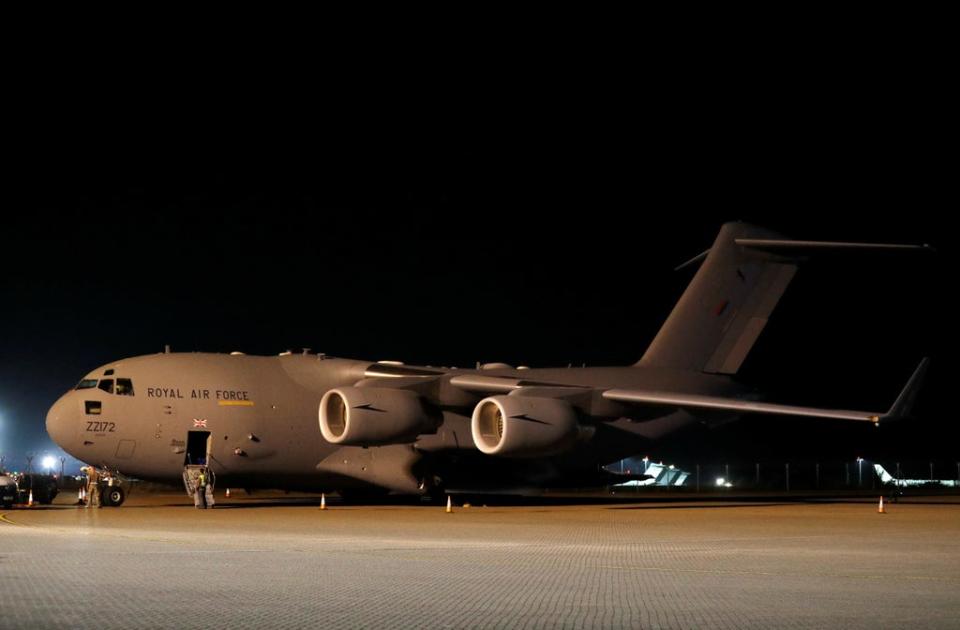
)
(49, 462)
(720, 482)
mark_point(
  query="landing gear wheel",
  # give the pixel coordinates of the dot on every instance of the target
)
(113, 496)
(432, 490)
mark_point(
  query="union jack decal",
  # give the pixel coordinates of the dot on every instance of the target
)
(199, 423)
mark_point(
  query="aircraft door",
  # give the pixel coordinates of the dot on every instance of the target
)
(198, 448)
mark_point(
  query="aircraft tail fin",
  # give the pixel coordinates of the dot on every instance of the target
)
(726, 306)
(885, 477)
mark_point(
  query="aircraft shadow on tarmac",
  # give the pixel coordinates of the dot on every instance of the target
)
(249, 506)
(261, 504)
(697, 506)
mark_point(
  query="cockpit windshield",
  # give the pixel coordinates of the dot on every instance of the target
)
(124, 387)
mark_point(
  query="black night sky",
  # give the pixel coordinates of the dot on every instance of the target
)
(529, 211)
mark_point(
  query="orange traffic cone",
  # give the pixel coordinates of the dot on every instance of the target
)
(880, 509)
(449, 505)
(80, 496)
(228, 493)
(30, 499)
(323, 501)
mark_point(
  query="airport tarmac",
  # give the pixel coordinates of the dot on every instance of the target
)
(281, 562)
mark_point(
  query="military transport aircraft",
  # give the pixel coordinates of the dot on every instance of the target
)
(313, 422)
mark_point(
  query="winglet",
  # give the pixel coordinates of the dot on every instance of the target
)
(904, 403)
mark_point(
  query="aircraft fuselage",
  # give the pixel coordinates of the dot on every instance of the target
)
(261, 417)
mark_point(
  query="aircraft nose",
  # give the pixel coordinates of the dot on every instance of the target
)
(60, 424)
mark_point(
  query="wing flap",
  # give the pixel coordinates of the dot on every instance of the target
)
(486, 384)
(499, 384)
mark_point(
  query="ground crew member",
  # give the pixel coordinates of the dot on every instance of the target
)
(201, 481)
(208, 489)
(93, 486)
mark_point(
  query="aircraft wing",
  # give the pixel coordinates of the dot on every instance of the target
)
(695, 401)
(787, 247)
(495, 384)
(900, 408)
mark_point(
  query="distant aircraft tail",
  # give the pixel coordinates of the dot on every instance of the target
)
(885, 477)
(724, 309)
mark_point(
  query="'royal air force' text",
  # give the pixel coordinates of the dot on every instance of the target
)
(198, 394)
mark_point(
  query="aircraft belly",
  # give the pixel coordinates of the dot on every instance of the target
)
(385, 466)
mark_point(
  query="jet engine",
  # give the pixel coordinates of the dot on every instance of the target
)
(374, 416)
(524, 426)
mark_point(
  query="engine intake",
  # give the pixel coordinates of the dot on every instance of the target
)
(524, 426)
(374, 416)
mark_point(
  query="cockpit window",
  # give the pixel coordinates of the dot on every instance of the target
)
(106, 384)
(124, 387)
(108, 372)
(86, 383)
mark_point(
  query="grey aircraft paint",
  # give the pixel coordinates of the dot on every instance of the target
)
(262, 421)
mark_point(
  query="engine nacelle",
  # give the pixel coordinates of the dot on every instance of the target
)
(523, 426)
(374, 416)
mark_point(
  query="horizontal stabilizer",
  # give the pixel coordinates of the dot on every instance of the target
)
(790, 247)
(786, 246)
(693, 261)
